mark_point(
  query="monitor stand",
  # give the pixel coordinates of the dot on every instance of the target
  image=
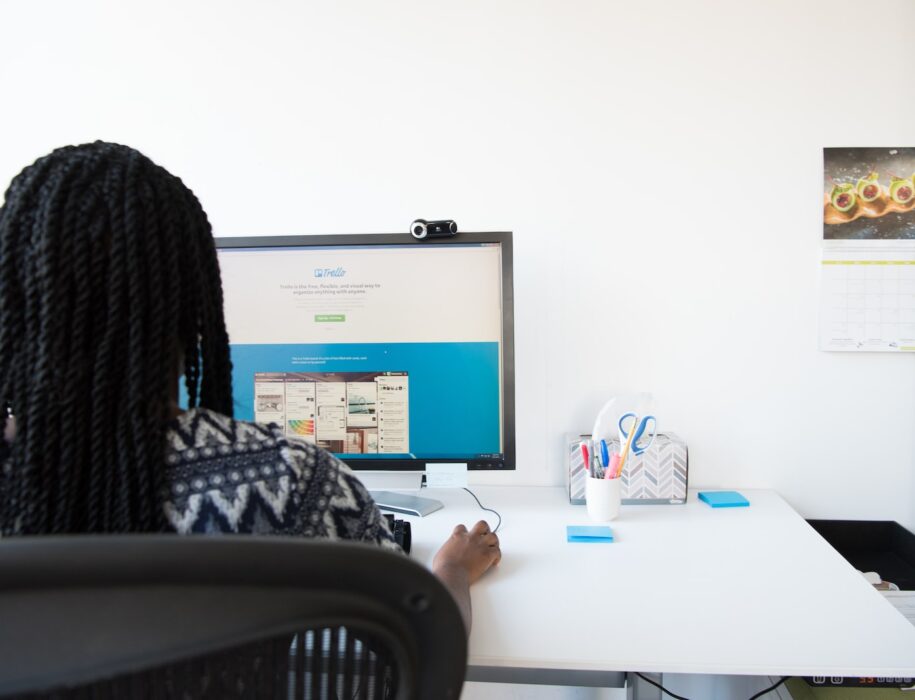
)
(408, 503)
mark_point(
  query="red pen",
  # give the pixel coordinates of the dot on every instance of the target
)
(586, 457)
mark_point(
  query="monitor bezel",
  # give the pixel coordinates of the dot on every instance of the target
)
(504, 239)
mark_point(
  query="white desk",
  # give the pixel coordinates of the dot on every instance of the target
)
(683, 589)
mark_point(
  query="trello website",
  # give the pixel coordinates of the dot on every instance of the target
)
(374, 351)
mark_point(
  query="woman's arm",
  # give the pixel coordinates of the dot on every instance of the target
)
(464, 557)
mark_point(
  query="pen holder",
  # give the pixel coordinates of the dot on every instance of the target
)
(602, 498)
(657, 476)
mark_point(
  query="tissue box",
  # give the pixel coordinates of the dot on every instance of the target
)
(657, 476)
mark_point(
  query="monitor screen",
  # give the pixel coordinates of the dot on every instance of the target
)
(388, 351)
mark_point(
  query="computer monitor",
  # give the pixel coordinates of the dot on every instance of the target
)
(391, 352)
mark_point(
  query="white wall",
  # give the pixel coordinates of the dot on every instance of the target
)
(659, 163)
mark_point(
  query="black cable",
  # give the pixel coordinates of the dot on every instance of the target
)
(661, 687)
(496, 529)
(680, 697)
(770, 688)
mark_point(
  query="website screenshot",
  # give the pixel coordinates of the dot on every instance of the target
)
(386, 351)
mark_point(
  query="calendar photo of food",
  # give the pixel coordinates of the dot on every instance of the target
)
(869, 193)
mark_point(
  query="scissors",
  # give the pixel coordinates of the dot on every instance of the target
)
(645, 430)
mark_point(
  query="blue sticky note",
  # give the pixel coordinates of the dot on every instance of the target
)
(588, 533)
(723, 499)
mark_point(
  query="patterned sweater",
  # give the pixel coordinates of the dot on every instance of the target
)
(229, 476)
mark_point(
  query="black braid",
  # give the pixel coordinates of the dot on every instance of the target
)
(108, 280)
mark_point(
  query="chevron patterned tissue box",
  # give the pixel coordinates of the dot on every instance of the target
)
(658, 476)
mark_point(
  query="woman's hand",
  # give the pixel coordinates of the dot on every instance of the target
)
(474, 551)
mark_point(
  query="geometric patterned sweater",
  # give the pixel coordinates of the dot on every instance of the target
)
(229, 476)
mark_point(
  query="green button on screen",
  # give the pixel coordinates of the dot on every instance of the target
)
(330, 318)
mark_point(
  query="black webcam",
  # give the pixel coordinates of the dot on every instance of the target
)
(421, 228)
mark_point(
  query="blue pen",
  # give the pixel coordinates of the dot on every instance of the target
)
(604, 454)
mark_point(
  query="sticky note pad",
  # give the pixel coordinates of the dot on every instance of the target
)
(588, 533)
(723, 499)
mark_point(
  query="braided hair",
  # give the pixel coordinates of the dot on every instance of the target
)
(108, 283)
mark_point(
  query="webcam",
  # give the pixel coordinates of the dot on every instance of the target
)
(421, 228)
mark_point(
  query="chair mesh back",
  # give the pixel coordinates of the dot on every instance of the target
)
(331, 663)
(334, 663)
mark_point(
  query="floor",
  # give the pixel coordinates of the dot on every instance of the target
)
(511, 691)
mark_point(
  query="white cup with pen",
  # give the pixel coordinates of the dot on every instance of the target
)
(603, 487)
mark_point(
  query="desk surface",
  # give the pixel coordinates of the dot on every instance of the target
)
(683, 589)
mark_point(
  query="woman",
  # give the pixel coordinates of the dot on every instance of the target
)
(109, 295)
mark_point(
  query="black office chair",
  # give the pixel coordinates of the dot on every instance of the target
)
(163, 616)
